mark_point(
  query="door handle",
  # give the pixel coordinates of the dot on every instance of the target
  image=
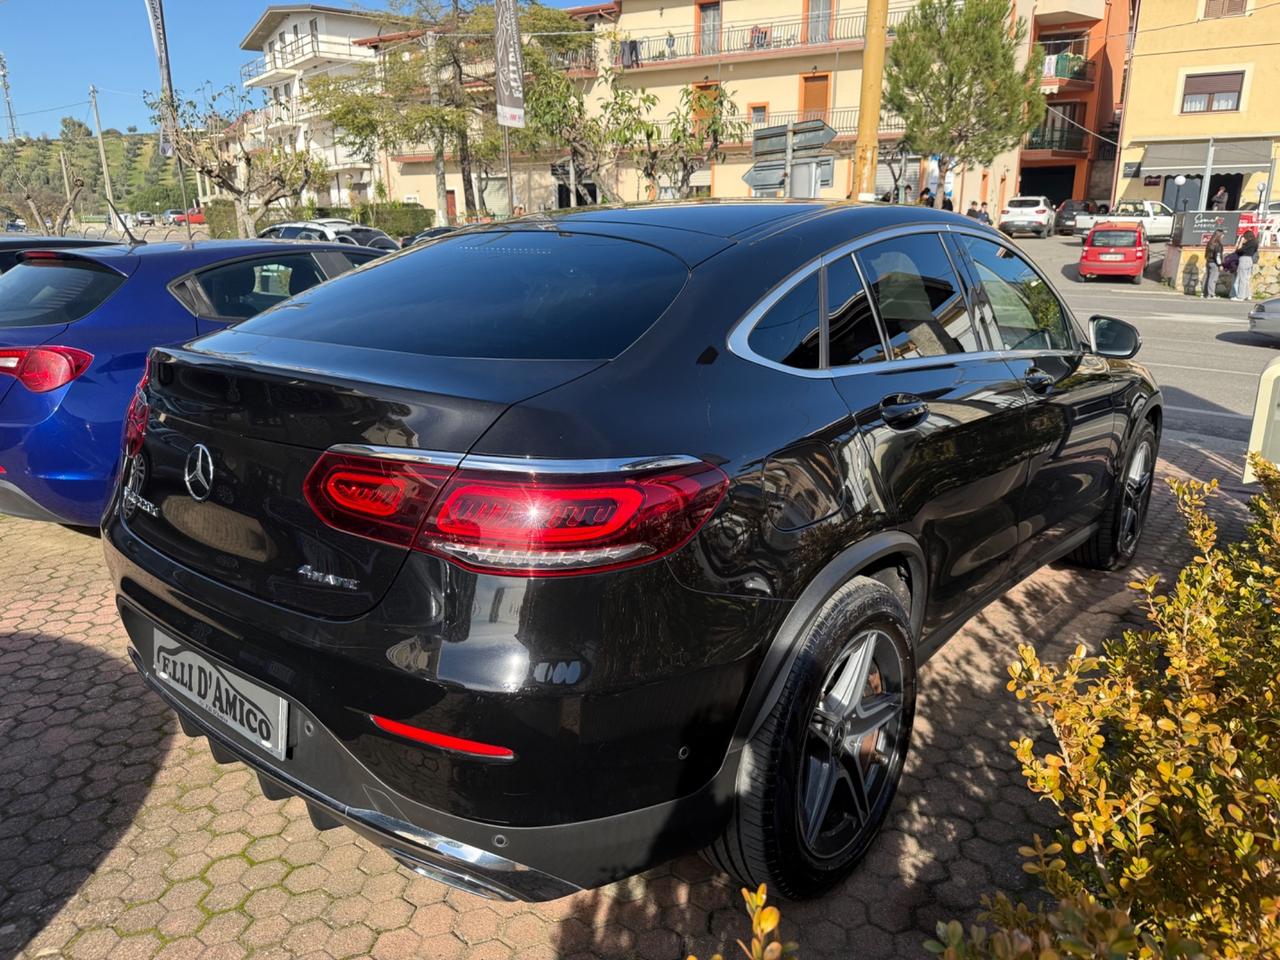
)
(903, 410)
(1038, 381)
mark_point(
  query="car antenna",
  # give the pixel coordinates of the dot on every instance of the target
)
(124, 226)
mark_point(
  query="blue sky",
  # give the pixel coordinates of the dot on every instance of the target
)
(56, 48)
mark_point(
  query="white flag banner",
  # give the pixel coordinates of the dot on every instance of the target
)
(510, 64)
(155, 15)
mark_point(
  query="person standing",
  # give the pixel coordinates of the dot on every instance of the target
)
(984, 215)
(1219, 201)
(947, 204)
(1246, 251)
(973, 212)
(1212, 265)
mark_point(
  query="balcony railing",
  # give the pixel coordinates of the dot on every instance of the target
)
(844, 120)
(1057, 138)
(286, 56)
(746, 37)
(1067, 66)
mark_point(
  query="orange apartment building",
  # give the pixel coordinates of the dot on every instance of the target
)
(1085, 44)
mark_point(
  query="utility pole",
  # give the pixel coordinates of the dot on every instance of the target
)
(8, 100)
(66, 178)
(867, 158)
(102, 156)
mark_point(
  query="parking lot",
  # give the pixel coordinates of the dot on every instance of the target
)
(120, 837)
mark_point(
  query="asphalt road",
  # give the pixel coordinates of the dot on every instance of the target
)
(1201, 352)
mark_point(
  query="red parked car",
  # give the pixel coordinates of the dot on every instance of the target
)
(194, 215)
(1115, 249)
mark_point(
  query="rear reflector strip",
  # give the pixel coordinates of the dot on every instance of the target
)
(442, 740)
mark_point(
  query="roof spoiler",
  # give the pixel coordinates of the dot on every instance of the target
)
(43, 256)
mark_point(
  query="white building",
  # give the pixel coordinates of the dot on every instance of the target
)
(295, 43)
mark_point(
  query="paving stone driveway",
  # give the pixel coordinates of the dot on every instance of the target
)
(119, 837)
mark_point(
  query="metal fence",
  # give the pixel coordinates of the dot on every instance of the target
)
(1057, 138)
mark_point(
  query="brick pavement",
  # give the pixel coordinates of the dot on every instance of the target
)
(119, 837)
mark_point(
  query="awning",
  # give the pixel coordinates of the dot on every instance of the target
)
(1188, 157)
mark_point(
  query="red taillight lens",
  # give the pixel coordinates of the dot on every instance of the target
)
(442, 740)
(41, 369)
(545, 525)
(372, 497)
(516, 523)
(136, 417)
(1041, 210)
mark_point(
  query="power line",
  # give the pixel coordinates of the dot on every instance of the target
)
(65, 106)
(1092, 133)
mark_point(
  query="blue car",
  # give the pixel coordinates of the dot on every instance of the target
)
(75, 329)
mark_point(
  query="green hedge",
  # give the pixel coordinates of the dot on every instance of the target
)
(396, 219)
(220, 217)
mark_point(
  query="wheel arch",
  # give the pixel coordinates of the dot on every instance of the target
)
(881, 553)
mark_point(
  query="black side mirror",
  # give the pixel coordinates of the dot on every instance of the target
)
(1114, 338)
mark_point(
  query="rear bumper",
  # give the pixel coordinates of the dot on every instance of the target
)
(1095, 269)
(17, 503)
(1022, 226)
(492, 860)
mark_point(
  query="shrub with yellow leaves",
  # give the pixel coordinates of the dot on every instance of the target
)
(765, 942)
(1164, 767)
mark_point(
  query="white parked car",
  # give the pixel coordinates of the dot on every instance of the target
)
(332, 229)
(1155, 217)
(1264, 319)
(1028, 215)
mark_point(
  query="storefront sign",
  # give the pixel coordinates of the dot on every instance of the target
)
(1194, 228)
(1151, 181)
(1132, 169)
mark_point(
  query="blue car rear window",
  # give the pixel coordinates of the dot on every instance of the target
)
(39, 292)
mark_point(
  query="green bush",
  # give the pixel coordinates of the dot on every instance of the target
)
(396, 219)
(765, 942)
(1164, 768)
(220, 217)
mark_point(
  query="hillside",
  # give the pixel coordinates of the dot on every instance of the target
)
(141, 178)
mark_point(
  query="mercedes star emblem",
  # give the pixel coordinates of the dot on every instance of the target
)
(198, 474)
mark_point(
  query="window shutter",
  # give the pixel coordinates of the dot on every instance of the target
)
(1214, 83)
(1234, 8)
(1215, 8)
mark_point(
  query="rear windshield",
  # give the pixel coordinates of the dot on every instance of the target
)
(1024, 202)
(1113, 238)
(527, 295)
(53, 291)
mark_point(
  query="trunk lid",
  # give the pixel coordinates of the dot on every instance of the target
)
(265, 409)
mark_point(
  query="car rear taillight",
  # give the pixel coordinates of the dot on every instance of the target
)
(1041, 210)
(136, 417)
(520, 523)
(41, 369)
(544, 525)
(382, 499)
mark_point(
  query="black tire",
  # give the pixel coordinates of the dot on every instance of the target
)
(1116, 540)
(765, 840)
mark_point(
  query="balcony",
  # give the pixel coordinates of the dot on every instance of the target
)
(288, 59)
(1052, 12)
(745, 38)
(844, 120)
(1062, 69)
(1060, 139)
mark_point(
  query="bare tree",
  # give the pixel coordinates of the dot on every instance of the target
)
(218, 136)
(37, 202)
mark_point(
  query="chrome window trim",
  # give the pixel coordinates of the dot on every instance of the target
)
(407, 454)
(740, 333)
(570, 466)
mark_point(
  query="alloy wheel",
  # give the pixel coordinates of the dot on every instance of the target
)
(1136, 495)
(853, 745)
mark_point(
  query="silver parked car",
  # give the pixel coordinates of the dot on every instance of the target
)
(1264, 319)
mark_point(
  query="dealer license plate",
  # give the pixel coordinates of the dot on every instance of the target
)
(254, 713)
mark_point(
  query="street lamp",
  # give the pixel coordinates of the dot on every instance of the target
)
(1181, 181)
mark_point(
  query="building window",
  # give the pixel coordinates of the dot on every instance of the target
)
(759, 114)
(313, 26)
(1224, 8)
(1212, 92)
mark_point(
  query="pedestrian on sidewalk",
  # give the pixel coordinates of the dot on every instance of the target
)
(973, 212)
(984, 215)
(1246, 252)
(1219, 201)
(1212, 265)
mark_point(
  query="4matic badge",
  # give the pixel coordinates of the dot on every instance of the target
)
(308, 572)
(135, 480)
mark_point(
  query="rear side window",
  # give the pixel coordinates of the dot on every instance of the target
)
(789, 333)
(854, 336)
(1018, 202)
(531, 295)
(53, 291)
(1113, 238)
(919, 297)
(247, 287)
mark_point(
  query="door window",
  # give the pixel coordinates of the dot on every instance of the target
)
(852, 331)
(789, 333)
(247, 287)
(919, 297)
(1021, 311)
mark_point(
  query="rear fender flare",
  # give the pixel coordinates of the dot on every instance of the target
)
(785, 646)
